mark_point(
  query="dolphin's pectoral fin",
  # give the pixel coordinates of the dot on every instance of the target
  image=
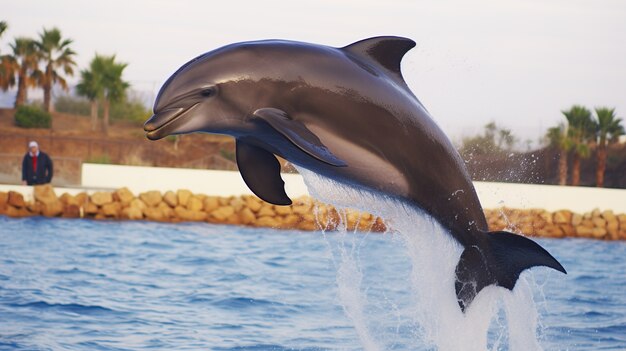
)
(261, 171)
(298, 134)
(501, 263)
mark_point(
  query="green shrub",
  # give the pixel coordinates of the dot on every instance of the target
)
(32, 117)
(103, 159)
(73, 105)
(130, 108)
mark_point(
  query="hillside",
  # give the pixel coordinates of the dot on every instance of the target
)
(70, 142)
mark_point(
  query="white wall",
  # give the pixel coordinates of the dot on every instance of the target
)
(226, 183)
(210, 182)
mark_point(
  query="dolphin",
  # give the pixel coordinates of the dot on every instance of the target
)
(347, 114)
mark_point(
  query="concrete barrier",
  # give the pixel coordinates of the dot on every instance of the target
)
(141, 179)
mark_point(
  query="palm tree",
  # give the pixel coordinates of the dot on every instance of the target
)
(89, 87)
(56, 56)
(103, 81)
(609, 129)
(7, 76)
(558, 138)
(114, 86)
(24, 62)
(581, 131)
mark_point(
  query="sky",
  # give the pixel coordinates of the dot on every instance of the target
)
(518, 63)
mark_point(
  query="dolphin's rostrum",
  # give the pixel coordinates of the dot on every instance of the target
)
(347, 114)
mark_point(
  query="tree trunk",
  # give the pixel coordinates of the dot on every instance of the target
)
(576, 169)
(47, 92)
(94, 114)
(22, 91)
(601, 165)
(105, 115)
(47, 89)
(562, 167)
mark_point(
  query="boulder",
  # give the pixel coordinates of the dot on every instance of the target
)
(34, 207)
(246, 216)
(266, 211)
(302, 208)
(138, 204)
(599, 233)
(45, 194)
(71, 211)
(253, 203)
(210, 203)
(222, 213)
(123, 195)
(112, 209)
(90, 208)
(16, 199)
(379, 225)
(151, 198)
(225, 201)
(562, 217)
(168, 212)
(237, 203)
(52, 209)
(584, 232)
(282, 210)
(612, 229)
(132, 213)
(183, 196)
(568, 230)
(4, 198)
(17, 212)
(201, 216)
(233, 220)
(101, 198)
(68, 199)
(190, 215)
(154, 214)
(598, 222)
(170, 199)
(527, 229)
(267, 221)
(194, 204)
(576, 219)
(82, 198)
(291, 221)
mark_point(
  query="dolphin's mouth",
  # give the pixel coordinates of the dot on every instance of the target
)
(162, 124)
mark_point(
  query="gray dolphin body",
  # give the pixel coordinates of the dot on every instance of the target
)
(345, 113)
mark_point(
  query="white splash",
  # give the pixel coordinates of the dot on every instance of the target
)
(433, 254)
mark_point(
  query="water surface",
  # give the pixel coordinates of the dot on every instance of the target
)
(86, 285)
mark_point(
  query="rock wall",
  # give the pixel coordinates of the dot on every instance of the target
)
(303, 214)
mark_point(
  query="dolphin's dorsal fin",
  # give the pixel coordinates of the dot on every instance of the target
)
(385, 51)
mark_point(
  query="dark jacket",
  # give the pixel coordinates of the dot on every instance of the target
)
(43, 173)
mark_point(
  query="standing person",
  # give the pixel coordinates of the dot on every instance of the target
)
(36, 166)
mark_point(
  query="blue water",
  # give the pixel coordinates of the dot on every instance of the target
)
(85, 285)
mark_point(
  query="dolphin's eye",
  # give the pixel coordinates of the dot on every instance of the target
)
(207, 92)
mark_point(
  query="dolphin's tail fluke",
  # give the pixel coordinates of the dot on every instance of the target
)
(500, 263)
